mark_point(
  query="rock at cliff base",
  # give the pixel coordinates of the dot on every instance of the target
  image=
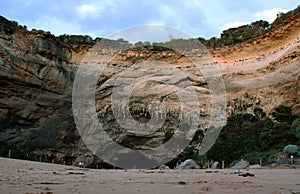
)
(188, 164)
(243, 164)
(163, 167)
(215, 165)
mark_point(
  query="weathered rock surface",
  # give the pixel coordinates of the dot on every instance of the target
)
(37, 72)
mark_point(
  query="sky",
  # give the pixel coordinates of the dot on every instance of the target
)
(102, 18)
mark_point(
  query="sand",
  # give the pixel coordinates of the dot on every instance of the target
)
(19, 176)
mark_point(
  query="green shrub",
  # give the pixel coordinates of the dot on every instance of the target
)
(283, 114)
(259, 113)
(291, 149)
(253, 136)
(15, 152)
(265, 138)
(295, 128)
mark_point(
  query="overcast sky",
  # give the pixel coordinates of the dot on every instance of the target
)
(100, 18)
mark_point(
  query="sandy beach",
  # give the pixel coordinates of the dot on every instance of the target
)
(26, 177)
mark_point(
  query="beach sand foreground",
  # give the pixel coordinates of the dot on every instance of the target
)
(19, 176)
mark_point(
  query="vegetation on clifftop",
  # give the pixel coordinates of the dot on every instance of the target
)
(247, 32)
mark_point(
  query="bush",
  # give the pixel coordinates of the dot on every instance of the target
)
(291, 149)
(265, 138)
(295, 128)
(259, 113)
(15, 152)
(283, 114)
(159, 48)
(253, 136)
(236, 122)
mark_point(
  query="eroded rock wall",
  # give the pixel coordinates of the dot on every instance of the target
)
(37, 71)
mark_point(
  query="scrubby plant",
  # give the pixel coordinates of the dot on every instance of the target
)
(259, 113)
(291, 149)
(15, 152)
(295, 127)
(255, 136)
(283, 114)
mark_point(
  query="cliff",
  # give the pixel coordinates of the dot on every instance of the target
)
(37, 72)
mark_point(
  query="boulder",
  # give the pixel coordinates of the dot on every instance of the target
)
(163, 167)
(188, 164)
(215, 165)
(243, 164)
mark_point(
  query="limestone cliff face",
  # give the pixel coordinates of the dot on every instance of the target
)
(36, 75)
(37, 72)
